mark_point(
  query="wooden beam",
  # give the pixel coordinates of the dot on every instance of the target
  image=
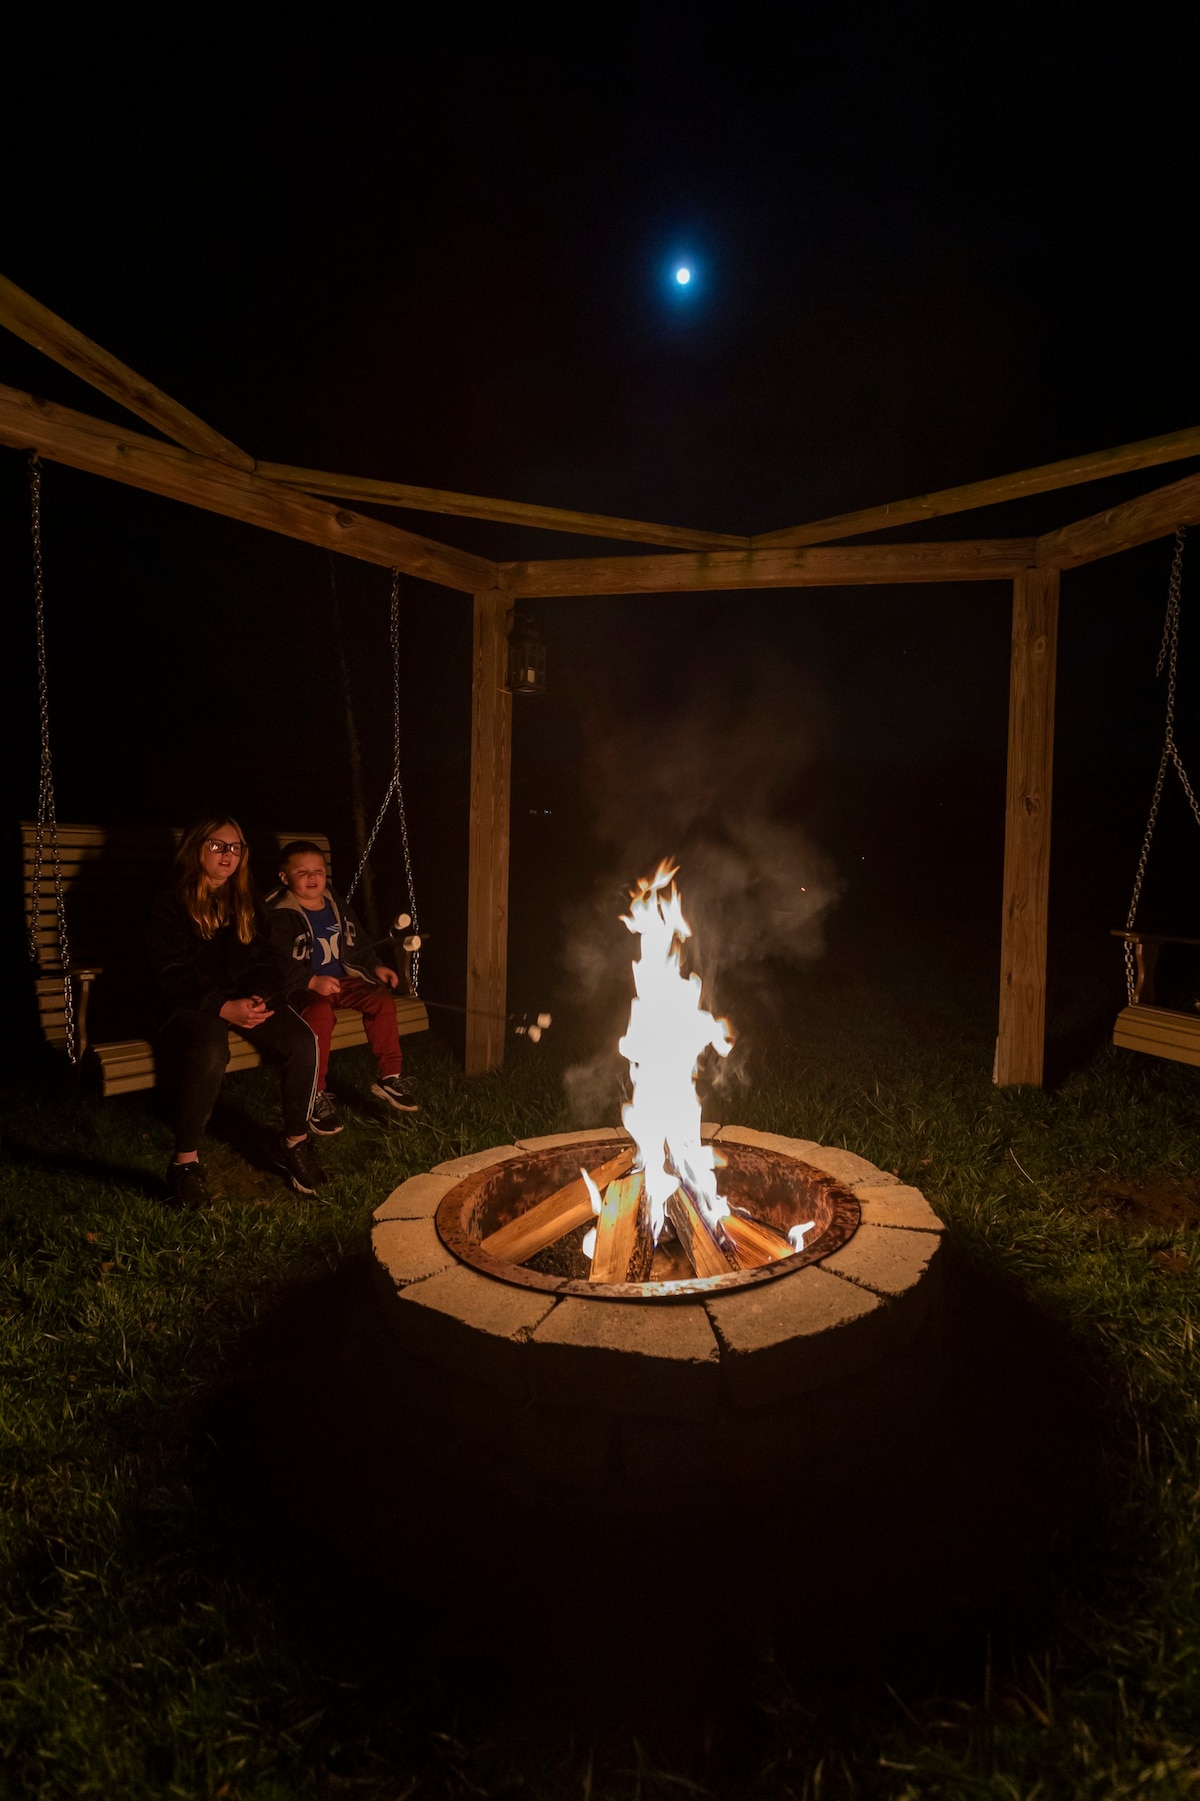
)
(505, 512)
(81, 442)
(1171, 448)
(1020, 1042)
(487, 873)
(27, 318)
(1134, 522)
(855, 565)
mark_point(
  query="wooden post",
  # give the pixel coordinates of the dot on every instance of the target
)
(487, 879)
(1020, 1044)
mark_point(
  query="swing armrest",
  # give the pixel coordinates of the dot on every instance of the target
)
(85, 978)
(1146, 946)
(50, 982)
(1135, 937)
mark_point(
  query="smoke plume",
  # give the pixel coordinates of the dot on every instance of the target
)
(713, 788)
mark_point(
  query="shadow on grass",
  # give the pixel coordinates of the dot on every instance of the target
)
(232, 1126)
(403, 1567)
(87, 1165)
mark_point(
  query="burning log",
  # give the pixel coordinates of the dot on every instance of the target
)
(705, 1252)
(624, 1248)
(560, 1213)
(754, 1244)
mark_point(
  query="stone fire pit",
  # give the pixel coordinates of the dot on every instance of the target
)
(643, 1397)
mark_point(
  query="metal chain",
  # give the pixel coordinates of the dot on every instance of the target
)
(47, 813)
(396, 782)
(395, 786)
(1168, 656)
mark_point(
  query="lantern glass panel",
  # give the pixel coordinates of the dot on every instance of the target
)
(526, 663)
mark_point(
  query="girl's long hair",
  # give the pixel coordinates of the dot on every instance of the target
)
(230, 904)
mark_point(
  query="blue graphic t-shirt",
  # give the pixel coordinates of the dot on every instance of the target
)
(327, 942)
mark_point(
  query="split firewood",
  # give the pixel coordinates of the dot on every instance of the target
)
(624, 1248)
(551, 1219)
(755, 1244)
(705, 1253)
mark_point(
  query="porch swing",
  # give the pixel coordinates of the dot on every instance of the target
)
(82, 885)
(1154, 1020)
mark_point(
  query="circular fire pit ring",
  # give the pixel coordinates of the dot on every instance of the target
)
(776, 1190)
(778, 1373)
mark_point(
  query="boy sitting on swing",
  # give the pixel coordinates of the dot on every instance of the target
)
(313, 928)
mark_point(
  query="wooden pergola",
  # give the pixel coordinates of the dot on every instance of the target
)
(199, 466)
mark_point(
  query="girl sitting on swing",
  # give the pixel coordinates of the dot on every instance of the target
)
(214, 970)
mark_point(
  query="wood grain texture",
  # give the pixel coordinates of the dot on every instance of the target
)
(1134, 522)
(561, 1212)
(27, 318)
(1171, 447)
(1158, 1032)
(1020, 1040)
(705, 1254)
(81, 442)
(753, 1244)
(506, 512)
(624, 1249)
(487, 873)
(854, 565)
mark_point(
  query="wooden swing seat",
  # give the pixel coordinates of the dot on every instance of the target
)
(1144, 1026)
(110, 875)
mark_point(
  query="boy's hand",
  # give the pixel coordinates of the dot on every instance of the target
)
(247, 1013)
(389, 976)
(329, 986)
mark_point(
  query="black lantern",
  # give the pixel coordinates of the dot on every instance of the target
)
(526, 659)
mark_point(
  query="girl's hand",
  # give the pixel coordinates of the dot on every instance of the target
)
(389, 976)
(247, 1013)
(329, 986)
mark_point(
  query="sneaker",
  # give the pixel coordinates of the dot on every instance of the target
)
(298, 1164)
(323, 1119)
(186, 1187)
(392, 1090)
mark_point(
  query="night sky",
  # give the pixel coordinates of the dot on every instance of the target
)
(927, 247)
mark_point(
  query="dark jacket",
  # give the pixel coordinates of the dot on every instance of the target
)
(291, 933)
(191, 971)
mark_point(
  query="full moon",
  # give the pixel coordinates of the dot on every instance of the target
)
(683, 276)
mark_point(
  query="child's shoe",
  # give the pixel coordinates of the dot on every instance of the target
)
(323, 1119)
(298, 1165)
(392, 1090)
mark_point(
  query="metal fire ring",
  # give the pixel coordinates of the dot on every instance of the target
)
(753, 1176)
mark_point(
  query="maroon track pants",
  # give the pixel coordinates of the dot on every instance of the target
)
(378, 1008)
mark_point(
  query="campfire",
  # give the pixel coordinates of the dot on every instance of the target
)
(668, 1209)
(649, 1314)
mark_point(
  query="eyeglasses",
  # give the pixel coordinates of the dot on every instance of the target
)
(219, 849)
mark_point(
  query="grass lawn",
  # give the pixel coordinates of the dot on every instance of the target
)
(218, 1581)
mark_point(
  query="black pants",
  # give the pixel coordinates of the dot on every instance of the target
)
(195, 1048)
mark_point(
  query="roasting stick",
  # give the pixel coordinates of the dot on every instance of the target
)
(524, 1027)
(551, 1219)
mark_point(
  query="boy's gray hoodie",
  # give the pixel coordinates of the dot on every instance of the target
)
(292, 934)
